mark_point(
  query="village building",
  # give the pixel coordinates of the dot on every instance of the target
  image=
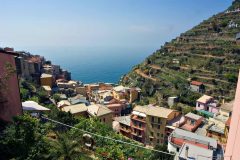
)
(76, 110)
(124, 126)
(101, 112)
(207, 105)
(130, 94)
(196, 86)
(46, 80)
(148, 123)
(10, 103)
(192, 122)
(179, 136)
(190, 151)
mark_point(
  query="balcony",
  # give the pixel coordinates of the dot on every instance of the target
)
(136, 134)
(137, 127)
(125, 130)
(136, 118)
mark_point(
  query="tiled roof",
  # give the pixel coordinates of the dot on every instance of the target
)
(120, 88)
(196, 83)
(204, 99)
(154, 111)
(179, 133)
(75, 108)
(193, 116)
(98, 110)
(195, 152)
(123, 119)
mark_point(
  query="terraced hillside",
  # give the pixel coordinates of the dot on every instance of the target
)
(207, 53)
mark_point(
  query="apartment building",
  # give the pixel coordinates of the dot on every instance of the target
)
(148, 123)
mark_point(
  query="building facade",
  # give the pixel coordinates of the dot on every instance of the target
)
(10, 103)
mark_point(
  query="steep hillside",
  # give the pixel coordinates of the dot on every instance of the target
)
(207, 53)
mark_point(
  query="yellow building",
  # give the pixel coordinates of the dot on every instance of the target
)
(148, 123)
(46, 80)
(121, 92)
(104, 114)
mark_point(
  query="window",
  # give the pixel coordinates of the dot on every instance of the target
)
(158, 134)
(162, 135)
(158, 126)
(103, 119)
(157, 140)
(152, 119)
(198, 105)
(140, 125)
(159, 120)
(192, 122)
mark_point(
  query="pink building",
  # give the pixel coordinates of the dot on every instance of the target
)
(207, 103)
(192, 122)
(117, 106)
(10, 104)
(233, 142)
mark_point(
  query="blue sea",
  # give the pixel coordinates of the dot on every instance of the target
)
(96, 64)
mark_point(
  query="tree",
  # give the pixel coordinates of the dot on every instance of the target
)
(65, 148)
(56, 97)
(159, 155)
(24, 139)
(24, 93)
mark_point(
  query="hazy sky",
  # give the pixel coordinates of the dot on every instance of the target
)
(100, 23)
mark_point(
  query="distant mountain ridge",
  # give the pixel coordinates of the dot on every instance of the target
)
(207, 53)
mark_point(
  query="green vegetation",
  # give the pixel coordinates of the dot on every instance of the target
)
(207, 53)
(30, 138)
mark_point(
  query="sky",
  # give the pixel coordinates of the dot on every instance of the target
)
(35, 24)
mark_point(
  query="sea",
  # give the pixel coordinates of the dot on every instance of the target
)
(91, 65)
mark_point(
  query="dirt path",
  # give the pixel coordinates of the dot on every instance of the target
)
(139, 72)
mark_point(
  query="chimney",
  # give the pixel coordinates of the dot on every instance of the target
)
(186, 152)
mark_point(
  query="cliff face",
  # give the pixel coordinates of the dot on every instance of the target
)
(208, 53)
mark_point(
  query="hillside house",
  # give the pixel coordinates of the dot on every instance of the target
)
(196, 86)
(101, 112)
(148, 124)
(178, 137)
(130, 94)
(124, 125)
(207, 104)
(76, 110)
(192, 122)
(46, 80)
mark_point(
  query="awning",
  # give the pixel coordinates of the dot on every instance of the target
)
(33, 106)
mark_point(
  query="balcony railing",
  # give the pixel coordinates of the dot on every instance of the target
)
(136, 134)
(125, 130)
(136, 118)
(137, 127)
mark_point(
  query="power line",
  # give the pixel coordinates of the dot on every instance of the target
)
(109, 138)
